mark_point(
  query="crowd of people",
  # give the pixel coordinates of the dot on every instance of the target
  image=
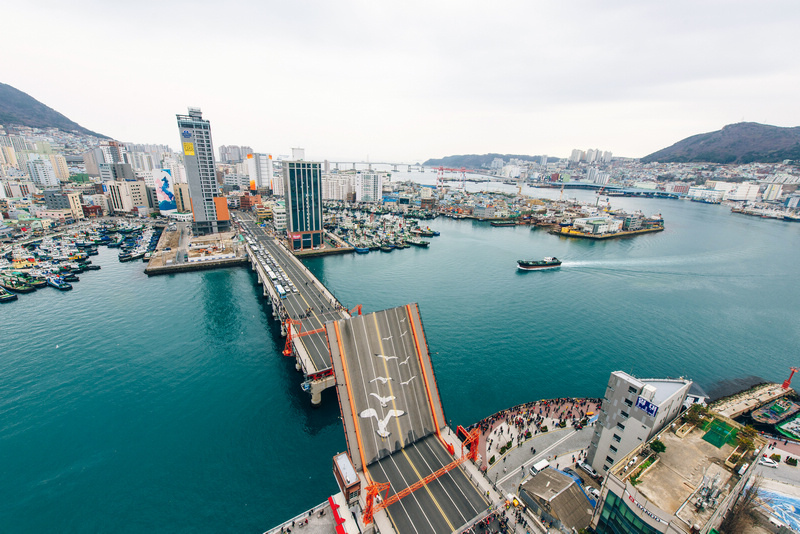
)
(519, 423)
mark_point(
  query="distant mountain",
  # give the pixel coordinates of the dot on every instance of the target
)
(22, 109)
(476, 161)
(745, 142)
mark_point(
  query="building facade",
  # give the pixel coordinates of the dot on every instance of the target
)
(210, 209)
(632, 412)
(260, 170)
(303, 192)
(125, 196)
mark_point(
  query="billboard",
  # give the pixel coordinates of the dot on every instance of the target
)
(165, 192)
(644, 404)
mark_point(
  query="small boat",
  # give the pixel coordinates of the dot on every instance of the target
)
(92, 267)
(70, 277)
(418, 242)
(361, 250)
(503, 223)
(7, 296)
(535, 265)
(386, 248)
(58, 283)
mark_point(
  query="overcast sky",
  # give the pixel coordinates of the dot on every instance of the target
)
(409, 80)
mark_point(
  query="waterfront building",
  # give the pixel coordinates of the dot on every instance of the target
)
(42, 173)
(597, 225)
(633, 412)
(259, 167)
(98, 200)
(369, 186)
(303, 187)
(209, 208)
(124, 196)
(772, 192)
(687, 488)
(57, 200)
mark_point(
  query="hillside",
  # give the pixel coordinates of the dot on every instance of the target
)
(745, 142)
(22, 109)
(476, 161)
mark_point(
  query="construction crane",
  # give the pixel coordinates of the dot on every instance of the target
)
(788, 381)
(377, 488)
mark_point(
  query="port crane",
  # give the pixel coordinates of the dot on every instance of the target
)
(440, 176)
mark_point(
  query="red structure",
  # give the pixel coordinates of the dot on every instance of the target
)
(788, 381)
(440, 177)
(287, 350)
(377, 488)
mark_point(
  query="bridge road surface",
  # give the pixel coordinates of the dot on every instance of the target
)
(297, 301)
(391, 410)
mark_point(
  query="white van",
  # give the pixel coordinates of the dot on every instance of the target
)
(538, 466)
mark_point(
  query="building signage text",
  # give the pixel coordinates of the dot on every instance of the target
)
(645, 510)
(649, 408)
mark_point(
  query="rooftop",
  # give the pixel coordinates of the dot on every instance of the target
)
(673, 481)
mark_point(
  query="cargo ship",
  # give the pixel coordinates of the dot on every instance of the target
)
(534, 265)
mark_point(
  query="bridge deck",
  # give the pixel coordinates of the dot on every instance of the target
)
(387, 379)
(307, 293)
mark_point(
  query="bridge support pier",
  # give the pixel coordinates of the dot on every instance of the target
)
(297, 366)
(283, 330)
(316, 398)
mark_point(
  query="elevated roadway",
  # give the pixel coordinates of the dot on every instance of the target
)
(303, 300)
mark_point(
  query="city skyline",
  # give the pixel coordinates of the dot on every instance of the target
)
(412, 82)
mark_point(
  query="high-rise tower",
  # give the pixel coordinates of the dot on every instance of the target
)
(303, 191)
(210, 210)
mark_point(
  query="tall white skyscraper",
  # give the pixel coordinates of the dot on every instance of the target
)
(259, 167)
(42, 173)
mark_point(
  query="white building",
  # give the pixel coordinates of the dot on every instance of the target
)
(597, 225)
(632, 412)
(125, 196)
(42, 173)
(747, 191)
(259, 168)
(279, 217)
(337, 186)
(369, 187)
(772, 192)
(176, 167)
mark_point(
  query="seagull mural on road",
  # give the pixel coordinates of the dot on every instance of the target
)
(381, 379)
(382, 432)
(387, 358)
(405, 362)
(384, 400)
(407, 382)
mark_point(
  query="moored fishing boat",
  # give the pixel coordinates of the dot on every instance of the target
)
(58, 283)
(7, 296)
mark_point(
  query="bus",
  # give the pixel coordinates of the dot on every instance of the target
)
(280, 290)
(271, 275)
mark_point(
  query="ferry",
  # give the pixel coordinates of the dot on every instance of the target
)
(534, 265)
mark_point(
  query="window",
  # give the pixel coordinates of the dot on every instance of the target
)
(624, 414)
(628, 402)
(609, 459)
(617, 438)
(632, 389)
(620, 426)
(612, 448)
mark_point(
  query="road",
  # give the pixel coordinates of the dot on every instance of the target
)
(306, 300)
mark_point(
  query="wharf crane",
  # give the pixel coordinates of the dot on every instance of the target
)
(440, 177)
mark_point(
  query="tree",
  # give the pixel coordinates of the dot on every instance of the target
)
(658, 447)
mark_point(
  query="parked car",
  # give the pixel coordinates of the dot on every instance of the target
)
(594, 492)
(571, 471)
(768, 462)
(588, 468)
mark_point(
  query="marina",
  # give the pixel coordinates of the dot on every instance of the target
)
(225, 386)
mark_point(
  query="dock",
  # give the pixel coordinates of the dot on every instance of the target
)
(178, 251)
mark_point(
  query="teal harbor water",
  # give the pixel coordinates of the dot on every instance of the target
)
(132, 404)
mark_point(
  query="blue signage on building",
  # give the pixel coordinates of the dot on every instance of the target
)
(186, 134)
(644, 404)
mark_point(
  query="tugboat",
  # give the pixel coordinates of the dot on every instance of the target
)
(58, 283)
(418, 242)
(535, 265)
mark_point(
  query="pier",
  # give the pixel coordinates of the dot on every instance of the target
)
(302, 305)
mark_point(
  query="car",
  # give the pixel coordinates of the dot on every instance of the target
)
(571, 471)
(768, 462)
(588, 468)
(593, 492)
